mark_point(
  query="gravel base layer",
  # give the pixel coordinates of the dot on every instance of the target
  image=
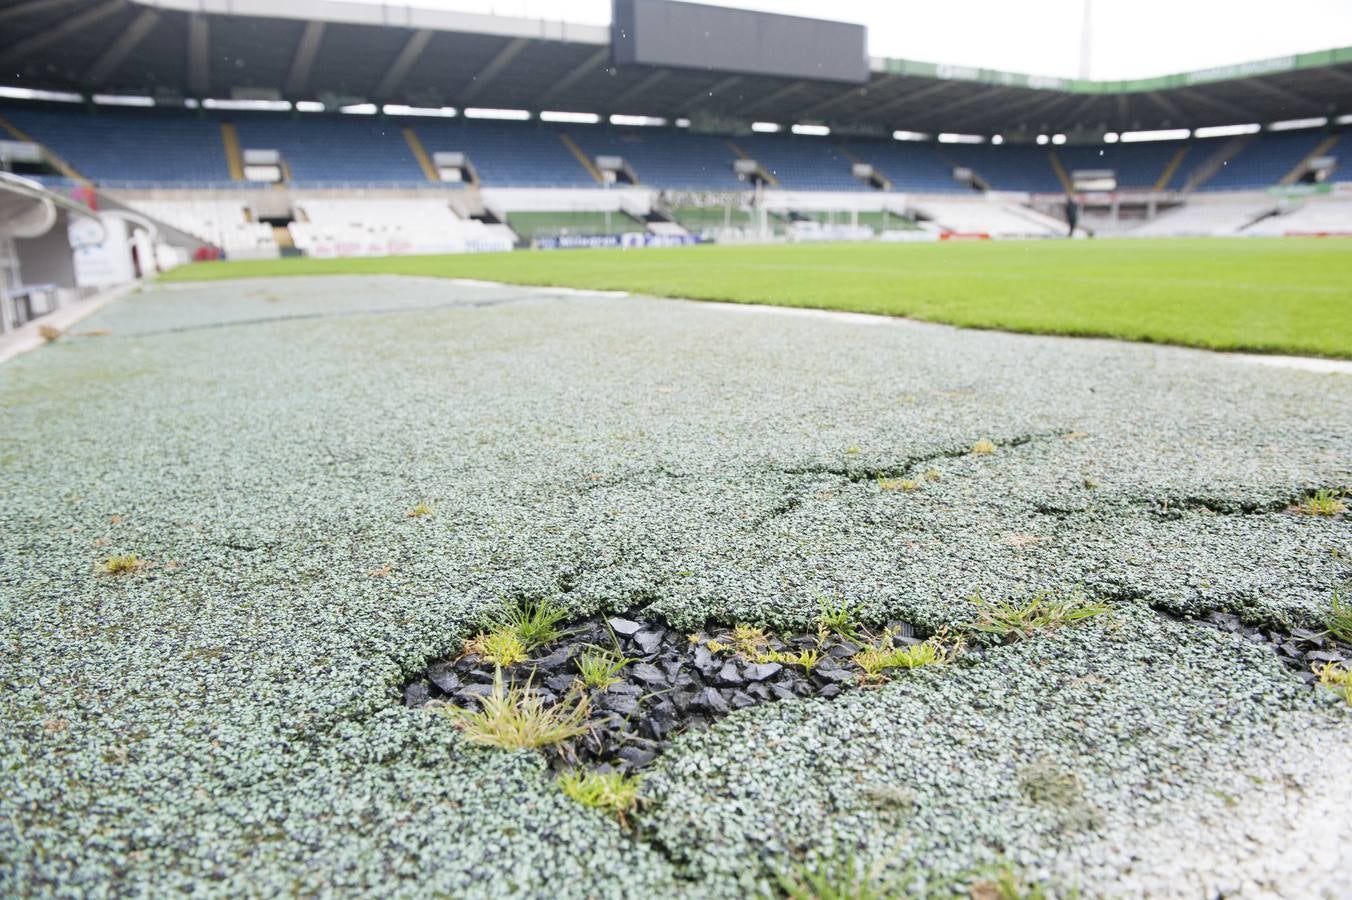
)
(227, 717)
(666, 682)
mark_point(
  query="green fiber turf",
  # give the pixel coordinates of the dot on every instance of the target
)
(1278, 295)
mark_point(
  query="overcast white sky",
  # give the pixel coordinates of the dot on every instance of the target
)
(1132, 38)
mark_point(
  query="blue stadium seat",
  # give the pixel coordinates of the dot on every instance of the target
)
(333, 149)
(803, 163)
(911, 166)
(1262, 163)
(1005, 167)
(507, 154)
(666, 160)
(123, 146)
(1138, 166)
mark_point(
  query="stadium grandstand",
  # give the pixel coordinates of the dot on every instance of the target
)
(254, 129)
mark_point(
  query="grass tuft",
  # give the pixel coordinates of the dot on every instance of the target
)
(898, 484)
(1336, 679)
(124, 564)
(513, 634)
(600, 668)
(515, 718)
(983, 447)
(880, 657)
(836, 617)
(749, 640)
(611, 792)
(1322, 503)
(417, 512)
(807, 659)
(1011, 621)
(1339, 620)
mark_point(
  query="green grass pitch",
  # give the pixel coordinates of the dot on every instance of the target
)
(1265, 295)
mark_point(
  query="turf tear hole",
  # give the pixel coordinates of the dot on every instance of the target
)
(642, 682)
(1302, 650)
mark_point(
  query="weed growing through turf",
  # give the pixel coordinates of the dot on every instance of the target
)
(807, 659)
(125, 564)
(516, 718)
(417, 512)
(983, 447)
(512, 635)
(749, 640)
(611, 792)
(878, 658)
(600, 668)
(836, 618)
(932, 475)
(1322, 503)
(1336, 679)
(1339, 620)
(898, 484)
(1011, 621)
(1003, 883)
(501, 646)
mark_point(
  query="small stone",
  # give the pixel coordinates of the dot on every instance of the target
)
(1324, 656)
(416, 694)
(560, 683)
(761, 671)
(624, 704)
(729, 675)
(648, 674)
(782, 691)
(649, 640)
(558, 659)
(444, 677)
(625, 627)
(660, 721)
(830, 672)
(710, 701)
(831, 690)
(741, 700)
(473, 693)
(705, 662)
(636, 757)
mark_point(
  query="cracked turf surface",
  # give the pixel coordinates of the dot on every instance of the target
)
(228, 718)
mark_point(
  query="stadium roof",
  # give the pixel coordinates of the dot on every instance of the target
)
(350, 52)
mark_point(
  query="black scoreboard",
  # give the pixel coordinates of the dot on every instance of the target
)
(696, 36)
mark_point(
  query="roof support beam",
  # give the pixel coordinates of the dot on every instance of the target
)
(402, 63)
(978, 97)
(596, 61)
(776, 95)
(857, 92)
(644, 84)
(1339, 75)
(912, 97)
(303, 60)
(32, 6)
(75, 23)
(199, 55)
(117, 51)
(1042, 107)
(710, 92)
(1175, 114)
(1284, 94)
(501, 60)
(1240, 113)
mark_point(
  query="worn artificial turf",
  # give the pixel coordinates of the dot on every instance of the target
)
(1264, 295)
(225, 718)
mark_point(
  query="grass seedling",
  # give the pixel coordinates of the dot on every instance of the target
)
(610, 792)
(1336, 679)
(983, 447)
(1011, 621)
(898, 484)
(600, 668)
(125, 564)
(932, 475)
(836, 618)
(749, 640)
(513, 634)
(1322, 503)
(1339, 621)
(417, 512)
(535, 623)
(807, 659)
(515, 718)
(501, 646)
(1003, 883)
(880, 657)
